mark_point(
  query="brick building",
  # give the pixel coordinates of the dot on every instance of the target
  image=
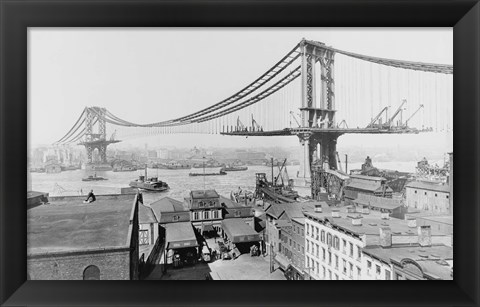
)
(428, 196)
(70, 240)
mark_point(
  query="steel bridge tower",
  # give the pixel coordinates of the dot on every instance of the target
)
(96, 140)
(321, 113)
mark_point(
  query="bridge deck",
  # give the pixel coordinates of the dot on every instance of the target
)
(295, 131)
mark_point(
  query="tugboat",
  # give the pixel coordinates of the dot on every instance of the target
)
(235, 168)
(94, 178)
(173, 165)
(149, 184)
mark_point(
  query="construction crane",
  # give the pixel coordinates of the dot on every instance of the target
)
(344, 123)
(240, 126)
(372, 123)
(406, 122)
(281, 174)
(293, 115)
(390, 121)
(255, 125)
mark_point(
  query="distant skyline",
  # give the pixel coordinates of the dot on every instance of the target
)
(150, 74)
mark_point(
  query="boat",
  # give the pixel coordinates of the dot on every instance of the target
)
(234, 168)
(209, 164)
(94, 178)
(124, 168)
(172, 165)
(149, 184)
(221, 173)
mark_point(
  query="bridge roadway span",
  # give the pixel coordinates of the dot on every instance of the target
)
(338, 131)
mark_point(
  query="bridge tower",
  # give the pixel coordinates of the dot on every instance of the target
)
(318, 110)
(96, 140)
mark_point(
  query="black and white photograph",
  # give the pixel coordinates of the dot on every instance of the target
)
(240, 154)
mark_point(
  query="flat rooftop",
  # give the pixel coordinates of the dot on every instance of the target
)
(67, 224)
(370, 224)
(204, 194)
(445, 188)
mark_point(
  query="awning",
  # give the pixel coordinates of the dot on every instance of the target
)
(180, 235)
(238, 231)
(282, 261)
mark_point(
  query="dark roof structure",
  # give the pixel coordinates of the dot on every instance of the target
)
(66, 224)
(238, 231)
(180, 235)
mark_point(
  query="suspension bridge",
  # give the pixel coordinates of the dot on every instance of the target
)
(315, 92)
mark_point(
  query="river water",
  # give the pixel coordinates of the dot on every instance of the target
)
(70, 182)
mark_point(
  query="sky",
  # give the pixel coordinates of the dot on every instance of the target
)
(146, 75)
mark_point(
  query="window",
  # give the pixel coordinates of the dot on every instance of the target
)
(322, 236)
(398, 276)
(435, 194)
(211, 203)
(303, 250)
(351, 250)
(369, 264)
(425, 193)
(176, 218)
(387, 275)
(323, 250)
(377, 269)
(329, 239)
(324, 272)
(415, 191)
(152, 232)
(238, 213)
(290, 242)
(447, 196)
(205, 215)
(359, 271)
(336, 276)
(329, 258)
(330, 274)
(196, 215)
(303, 234)
(91, 272)
(351, 269)
(359, 253)
(336, 262)
(344, 245)
(215, 214)
(316, 267)
(316, 233)
(317, 248)
(201, 204)
(344, 267)
(336, 243)
(143, 237)
(308, 246)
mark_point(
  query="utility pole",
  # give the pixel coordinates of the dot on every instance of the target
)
(346, 164)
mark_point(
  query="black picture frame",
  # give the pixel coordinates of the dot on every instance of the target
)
(16, 16)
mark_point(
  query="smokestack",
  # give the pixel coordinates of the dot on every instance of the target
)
(385, 237)
(424, 235)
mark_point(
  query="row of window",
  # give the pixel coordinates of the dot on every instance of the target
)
(378, 270)
(206, 215)
(203, 204)
(314, 266)
(336, 245)
(436, 195)
(298, 230)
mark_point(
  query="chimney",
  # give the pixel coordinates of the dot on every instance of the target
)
(357, 220)
(335, 213)
(424, 235)
(385, 237)
(385, 216)
(318, 208)
(412, 222)
(365, 210)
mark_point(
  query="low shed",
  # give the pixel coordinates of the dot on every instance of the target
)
(238, 231)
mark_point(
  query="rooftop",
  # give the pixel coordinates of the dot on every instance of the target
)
(204, 194)
(370, 224)
(432, 259)
(378, 202)
(366, 185)
(180, 235)
(293, 209)
(168, 204)
(369, 178)
(146, 215)
(429, 186)
(67, 224)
